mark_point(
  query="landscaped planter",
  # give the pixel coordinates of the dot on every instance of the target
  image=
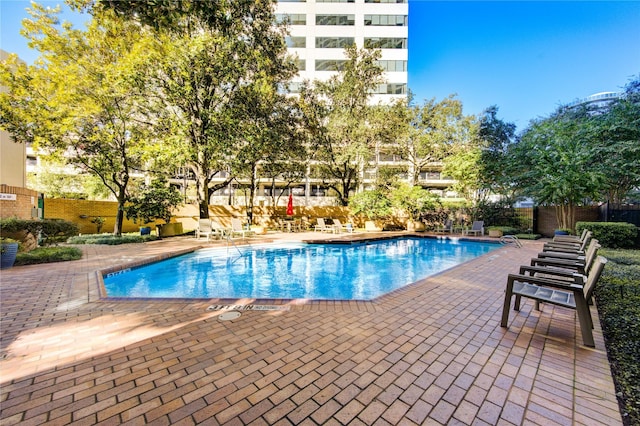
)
(8, 254)
(170, 229)
(495, 233)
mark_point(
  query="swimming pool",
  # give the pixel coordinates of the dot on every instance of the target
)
(361, 271)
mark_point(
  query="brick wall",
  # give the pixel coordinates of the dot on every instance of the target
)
(547, 222)
(22, 207)
(82, 211)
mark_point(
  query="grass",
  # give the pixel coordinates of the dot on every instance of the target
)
(618, 299)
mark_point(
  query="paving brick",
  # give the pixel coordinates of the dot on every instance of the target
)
(430, 352)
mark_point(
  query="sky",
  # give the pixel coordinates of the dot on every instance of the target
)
(526, 57)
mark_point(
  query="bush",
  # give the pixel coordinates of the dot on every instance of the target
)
(506, 230)
(618, 300)
(528, 236)
(611, 234)
(49, 231)
(111, 239)
(48, 255)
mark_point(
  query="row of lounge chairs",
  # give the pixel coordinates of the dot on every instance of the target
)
(211, 229)
(564, 274)
(336, 227)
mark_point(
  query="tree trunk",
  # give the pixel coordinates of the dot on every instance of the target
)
(121, 198)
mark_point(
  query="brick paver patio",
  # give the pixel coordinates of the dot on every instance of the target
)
(431, 353)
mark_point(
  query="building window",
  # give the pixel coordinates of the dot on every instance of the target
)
(393, 66)
(302, 64)
(296, 41)
(334, 42)
(385, 43)
(335, 19)
(330, 64)
(385, 1)
(391, 89)
(291, 18)
(386, 20)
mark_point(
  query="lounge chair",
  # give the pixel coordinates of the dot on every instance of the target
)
(339, 227)
(570, 245)
(238, 229)
(447, 227)
(218, 231)
(321, 226)
(477, 228)
(204, 229)
(571, 238)
(570, 294)
(579, 264)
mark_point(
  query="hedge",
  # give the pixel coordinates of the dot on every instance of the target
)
(611, 234)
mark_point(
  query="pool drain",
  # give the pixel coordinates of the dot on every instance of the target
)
(229, 315)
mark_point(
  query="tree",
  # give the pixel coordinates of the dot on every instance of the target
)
(557, 163)
(617, 132)
(496, 138)
(154, 201)
(433, 131)
(272, 136)
(77, 101)
(205, 55)
(344, 124)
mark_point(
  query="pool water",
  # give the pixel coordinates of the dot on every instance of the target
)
(296, 270)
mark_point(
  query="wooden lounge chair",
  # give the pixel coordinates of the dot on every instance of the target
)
(569, 294)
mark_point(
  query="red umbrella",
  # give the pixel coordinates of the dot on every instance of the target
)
(290, 206)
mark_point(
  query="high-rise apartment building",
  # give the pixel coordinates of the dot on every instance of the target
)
(321, 29)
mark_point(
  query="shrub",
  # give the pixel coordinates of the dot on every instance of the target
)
(48, 255)
(374, 204)
(111, 239)
(528, 236)
(618, 300)
(506, 230)
(50, 231)
(611, 234)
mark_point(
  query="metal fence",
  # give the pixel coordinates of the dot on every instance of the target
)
(629, 213)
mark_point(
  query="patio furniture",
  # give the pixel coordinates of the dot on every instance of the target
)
(447, 227)
(238, 229)
(578, 264)
(477, 228)
(571, 238)
(339, 227)
(570, 245)
(204, 229)
(569, 294)
(321, 226)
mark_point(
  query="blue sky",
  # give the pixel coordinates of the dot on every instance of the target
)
(525, 57)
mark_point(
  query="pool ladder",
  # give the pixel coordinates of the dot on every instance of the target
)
(510, 239)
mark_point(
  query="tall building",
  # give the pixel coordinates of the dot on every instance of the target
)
(321, 29)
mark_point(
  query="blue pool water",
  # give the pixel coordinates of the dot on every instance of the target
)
(296, 271)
